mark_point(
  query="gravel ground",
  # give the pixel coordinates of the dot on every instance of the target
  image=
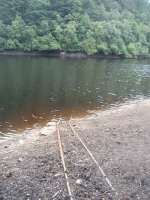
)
(120, 141)
(30, 169)
(119, 138)
(86, 182)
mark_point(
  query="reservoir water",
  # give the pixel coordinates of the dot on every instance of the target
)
(34, 90)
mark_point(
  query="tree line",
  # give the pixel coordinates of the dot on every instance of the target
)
(107, 27)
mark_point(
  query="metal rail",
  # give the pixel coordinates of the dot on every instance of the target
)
(63, 162)
(94, 160)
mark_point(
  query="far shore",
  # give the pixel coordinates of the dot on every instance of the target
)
(62, 54)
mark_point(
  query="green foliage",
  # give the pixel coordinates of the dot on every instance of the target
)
(11, 44)
(108, 27)
(89, 44)
(70, 39)
(44, 43)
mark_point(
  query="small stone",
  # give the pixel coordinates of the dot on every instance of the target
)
(9, 174)
(44, 132)
(20, 159)
(47, 130)
(51, 124)
(27, 196)
(78, 181)
(118, 142)
(21, 142)
(58, 174)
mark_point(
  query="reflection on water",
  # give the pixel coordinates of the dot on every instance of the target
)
(38, 89)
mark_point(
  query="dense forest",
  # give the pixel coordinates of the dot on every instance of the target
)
(106, 27)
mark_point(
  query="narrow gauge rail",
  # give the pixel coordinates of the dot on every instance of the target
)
(63, 162)
(89, 153)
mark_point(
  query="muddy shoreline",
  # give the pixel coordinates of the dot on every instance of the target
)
(119, 138)
(62, 54)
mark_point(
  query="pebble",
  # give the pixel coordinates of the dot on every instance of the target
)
(118, 142)
(21, 142)
(51, 124)
(9, 174)
(58, 174)
(47, 130)
(20, 159)
(78, 181)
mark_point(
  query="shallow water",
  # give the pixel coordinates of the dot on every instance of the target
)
(34, 90)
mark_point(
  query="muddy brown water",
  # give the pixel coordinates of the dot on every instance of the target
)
(34, 90)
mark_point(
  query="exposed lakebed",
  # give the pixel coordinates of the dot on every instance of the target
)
(34, 90)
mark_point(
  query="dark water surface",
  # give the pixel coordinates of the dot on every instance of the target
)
(34, 90)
